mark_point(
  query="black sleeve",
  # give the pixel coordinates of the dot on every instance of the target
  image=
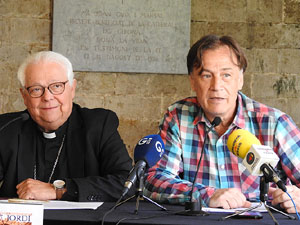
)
(72, 193)
(112, 159)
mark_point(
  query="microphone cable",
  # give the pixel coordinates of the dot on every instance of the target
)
(217, 120)
(298, 216)
(168, 213)
(23, 117)
(112, 209)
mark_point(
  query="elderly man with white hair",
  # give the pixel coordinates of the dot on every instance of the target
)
(63, 151)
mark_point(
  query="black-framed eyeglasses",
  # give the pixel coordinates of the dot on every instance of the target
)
(37, 91)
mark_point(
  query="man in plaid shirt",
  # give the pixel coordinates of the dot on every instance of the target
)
(216, 66)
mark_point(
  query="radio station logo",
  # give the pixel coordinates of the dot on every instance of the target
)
(250, 158)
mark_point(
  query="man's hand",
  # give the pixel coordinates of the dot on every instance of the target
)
(280, 197)
(35, 189)
(228, 198)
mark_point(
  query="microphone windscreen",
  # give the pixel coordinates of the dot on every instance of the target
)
(149, 149)
(217, 120)
(240, 141)
(24, 116)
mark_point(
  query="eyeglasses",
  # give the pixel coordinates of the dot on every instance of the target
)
(37, 91)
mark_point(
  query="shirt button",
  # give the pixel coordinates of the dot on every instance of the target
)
(222, 167)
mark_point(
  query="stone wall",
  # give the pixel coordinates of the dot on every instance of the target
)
(268, 30)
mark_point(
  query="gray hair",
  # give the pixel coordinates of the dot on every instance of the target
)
(48, 56)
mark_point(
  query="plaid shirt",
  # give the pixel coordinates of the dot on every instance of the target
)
(183, 131)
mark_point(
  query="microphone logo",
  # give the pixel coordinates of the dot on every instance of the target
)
(236, 145)
(159, 148)
(250, 158)
(144, 141)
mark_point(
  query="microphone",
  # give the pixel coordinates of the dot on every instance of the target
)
(258, 159)
(147, 153)
(23, 117)
(195, 207)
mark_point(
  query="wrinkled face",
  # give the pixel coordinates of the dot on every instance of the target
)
(218, 84)
(48, 111)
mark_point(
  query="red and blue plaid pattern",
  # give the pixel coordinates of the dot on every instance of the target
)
(182, 130)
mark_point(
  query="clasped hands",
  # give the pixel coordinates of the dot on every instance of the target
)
(36, 190)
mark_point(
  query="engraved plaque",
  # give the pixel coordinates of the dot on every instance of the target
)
(143, 36)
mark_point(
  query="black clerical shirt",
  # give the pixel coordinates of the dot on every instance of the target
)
(47, 152)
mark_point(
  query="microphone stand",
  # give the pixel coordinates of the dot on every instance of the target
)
(194, 208)
(140, 196)
(140, 174)
(264, 188)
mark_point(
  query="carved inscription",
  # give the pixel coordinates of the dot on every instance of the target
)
(123, 35)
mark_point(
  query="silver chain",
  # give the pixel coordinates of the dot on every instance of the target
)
(55, 163)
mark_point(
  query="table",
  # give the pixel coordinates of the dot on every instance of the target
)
(149, 214)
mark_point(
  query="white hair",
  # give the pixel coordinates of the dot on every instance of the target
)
(48, 56)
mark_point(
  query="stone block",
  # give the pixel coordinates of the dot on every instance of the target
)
(4, 30)
(290, 36)
(36, 47)
(15, 84)
(93, 84)
(274, 36)
(219, 10)
(89, 101)
(289, 61)
(238, 31)
(264, 35)
(263, 85)
(22, 51)
(275, 86)
(7, 8)
(292, 11)
(264, 11)
(136, 84)
(5, 78)
(28, 30)
(5, 53)
(134, 107)
(11, 102)
(15, 53)
(152, 85)
(263, 60)
(33, 8)
(171, 85)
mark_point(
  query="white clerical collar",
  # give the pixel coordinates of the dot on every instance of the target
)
(49, 135)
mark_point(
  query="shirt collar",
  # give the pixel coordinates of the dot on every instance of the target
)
(49, 135)
(200, 115)
(201, 118)
(239, 119)
(56, 133)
